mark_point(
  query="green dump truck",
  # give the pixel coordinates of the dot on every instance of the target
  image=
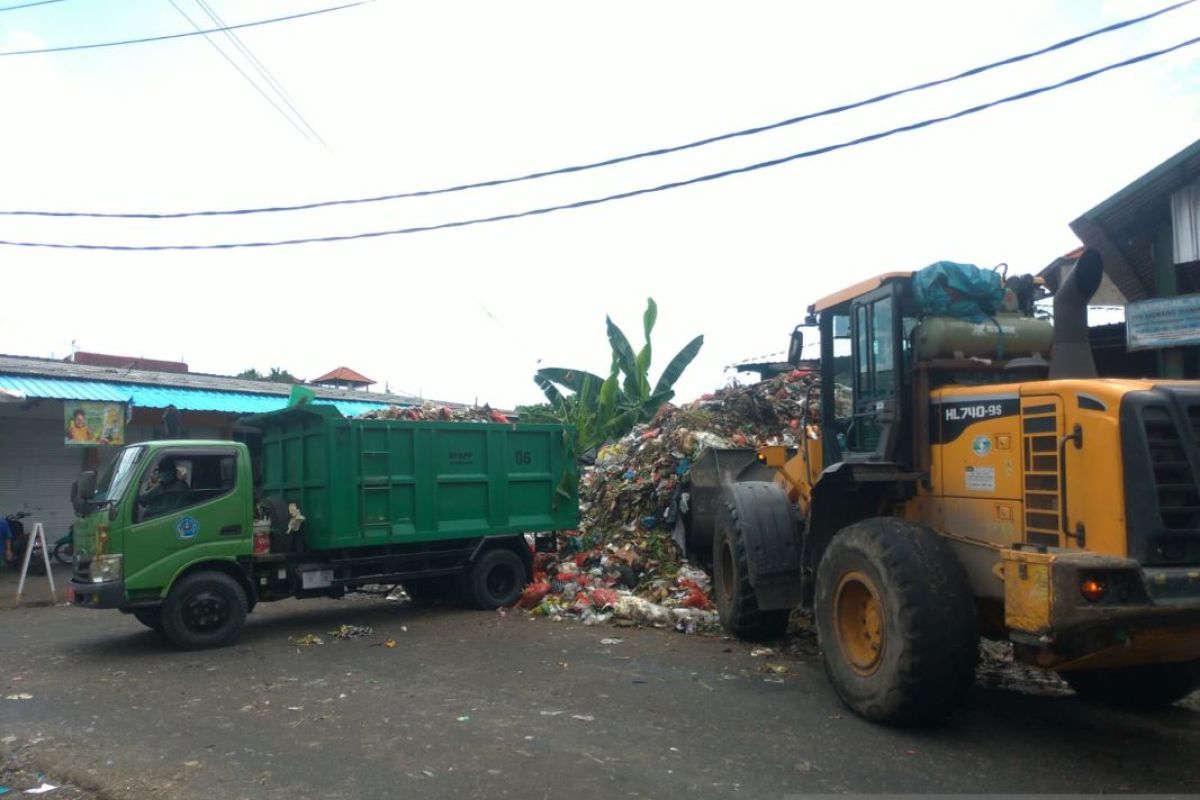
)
(188, 536)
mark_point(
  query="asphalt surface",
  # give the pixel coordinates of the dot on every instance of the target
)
(474, 704)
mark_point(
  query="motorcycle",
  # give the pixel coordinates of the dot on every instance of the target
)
(17, 532)
(62, 550)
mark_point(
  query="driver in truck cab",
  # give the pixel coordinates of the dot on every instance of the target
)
(164, 481)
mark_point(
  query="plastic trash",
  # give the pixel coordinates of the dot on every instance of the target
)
(306, 640)
(352, 632)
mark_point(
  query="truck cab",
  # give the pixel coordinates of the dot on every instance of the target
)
(135, 535)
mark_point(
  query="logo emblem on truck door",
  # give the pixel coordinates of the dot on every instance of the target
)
(187, 528)
(982, 445)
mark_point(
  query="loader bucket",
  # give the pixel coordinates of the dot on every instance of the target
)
(708, 475)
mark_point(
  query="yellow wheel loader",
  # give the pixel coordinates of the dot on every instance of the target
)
(951, 482)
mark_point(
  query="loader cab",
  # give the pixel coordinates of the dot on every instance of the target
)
(866, 393)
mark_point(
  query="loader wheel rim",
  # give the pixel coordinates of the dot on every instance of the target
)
(858, 617)
(727, 579)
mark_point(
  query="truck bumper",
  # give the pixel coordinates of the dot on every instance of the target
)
(97, 595)
(1141, 616)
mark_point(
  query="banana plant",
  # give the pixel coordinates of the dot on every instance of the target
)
(602, 409)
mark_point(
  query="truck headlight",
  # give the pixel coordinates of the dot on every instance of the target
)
(105, 568)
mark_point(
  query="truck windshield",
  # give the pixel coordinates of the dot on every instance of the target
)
(114, 480)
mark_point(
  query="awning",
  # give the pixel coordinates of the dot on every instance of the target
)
(144, 396)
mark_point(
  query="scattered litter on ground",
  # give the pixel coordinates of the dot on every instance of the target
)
(762, 651)
(390, 643)
(306, 640)
(19, 775)
(21, 696)
(611, 641)
(777, 669)
(352, 632)
(583, 717)
(465, 718)
(999, 670)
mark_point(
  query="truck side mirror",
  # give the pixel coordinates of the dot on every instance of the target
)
(796, 346)
(82, 491)
(87, 485)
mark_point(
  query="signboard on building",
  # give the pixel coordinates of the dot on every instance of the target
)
(1167, 322)
(91, 424)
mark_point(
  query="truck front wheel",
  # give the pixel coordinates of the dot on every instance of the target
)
(1145, 686)
(496, 579)
(897, 622)
(204, 609)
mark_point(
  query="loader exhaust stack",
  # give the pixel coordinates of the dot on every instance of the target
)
(1071, 354)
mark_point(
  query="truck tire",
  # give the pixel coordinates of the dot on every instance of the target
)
(737, 605)
(150, 617)
(204, 609)
(896, 622)
(495, 580)
(1145, 686)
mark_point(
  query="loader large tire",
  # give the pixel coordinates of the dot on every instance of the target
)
(1146, 686)
(745, 506)
(897, 622)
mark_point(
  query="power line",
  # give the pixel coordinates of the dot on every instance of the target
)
(183, 35)
(619, 159)
(29, 5)
(635, 192)
(242, 72)
(262, 70)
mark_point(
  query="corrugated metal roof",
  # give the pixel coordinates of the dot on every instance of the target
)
(1123, 228)
(65, 370)
(162, 396)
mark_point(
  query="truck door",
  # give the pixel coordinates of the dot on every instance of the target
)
(203, 510)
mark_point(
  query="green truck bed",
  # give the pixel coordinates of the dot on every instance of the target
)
(377, 482)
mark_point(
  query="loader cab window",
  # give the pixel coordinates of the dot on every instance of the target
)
(876, 359)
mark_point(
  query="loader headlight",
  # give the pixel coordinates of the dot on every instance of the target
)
(105, 568)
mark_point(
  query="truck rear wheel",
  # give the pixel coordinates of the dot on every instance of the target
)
(496, 579)
(150, 617)
(897, 622)
(1145, 686)
(737, 604)
(204, 609)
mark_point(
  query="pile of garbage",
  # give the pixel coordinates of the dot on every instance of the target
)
(436, 413)
(624, 563)
(605, 584)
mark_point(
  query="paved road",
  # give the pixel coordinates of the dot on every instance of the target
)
(471, 704)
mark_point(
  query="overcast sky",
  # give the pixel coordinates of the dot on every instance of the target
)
(422, 95)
